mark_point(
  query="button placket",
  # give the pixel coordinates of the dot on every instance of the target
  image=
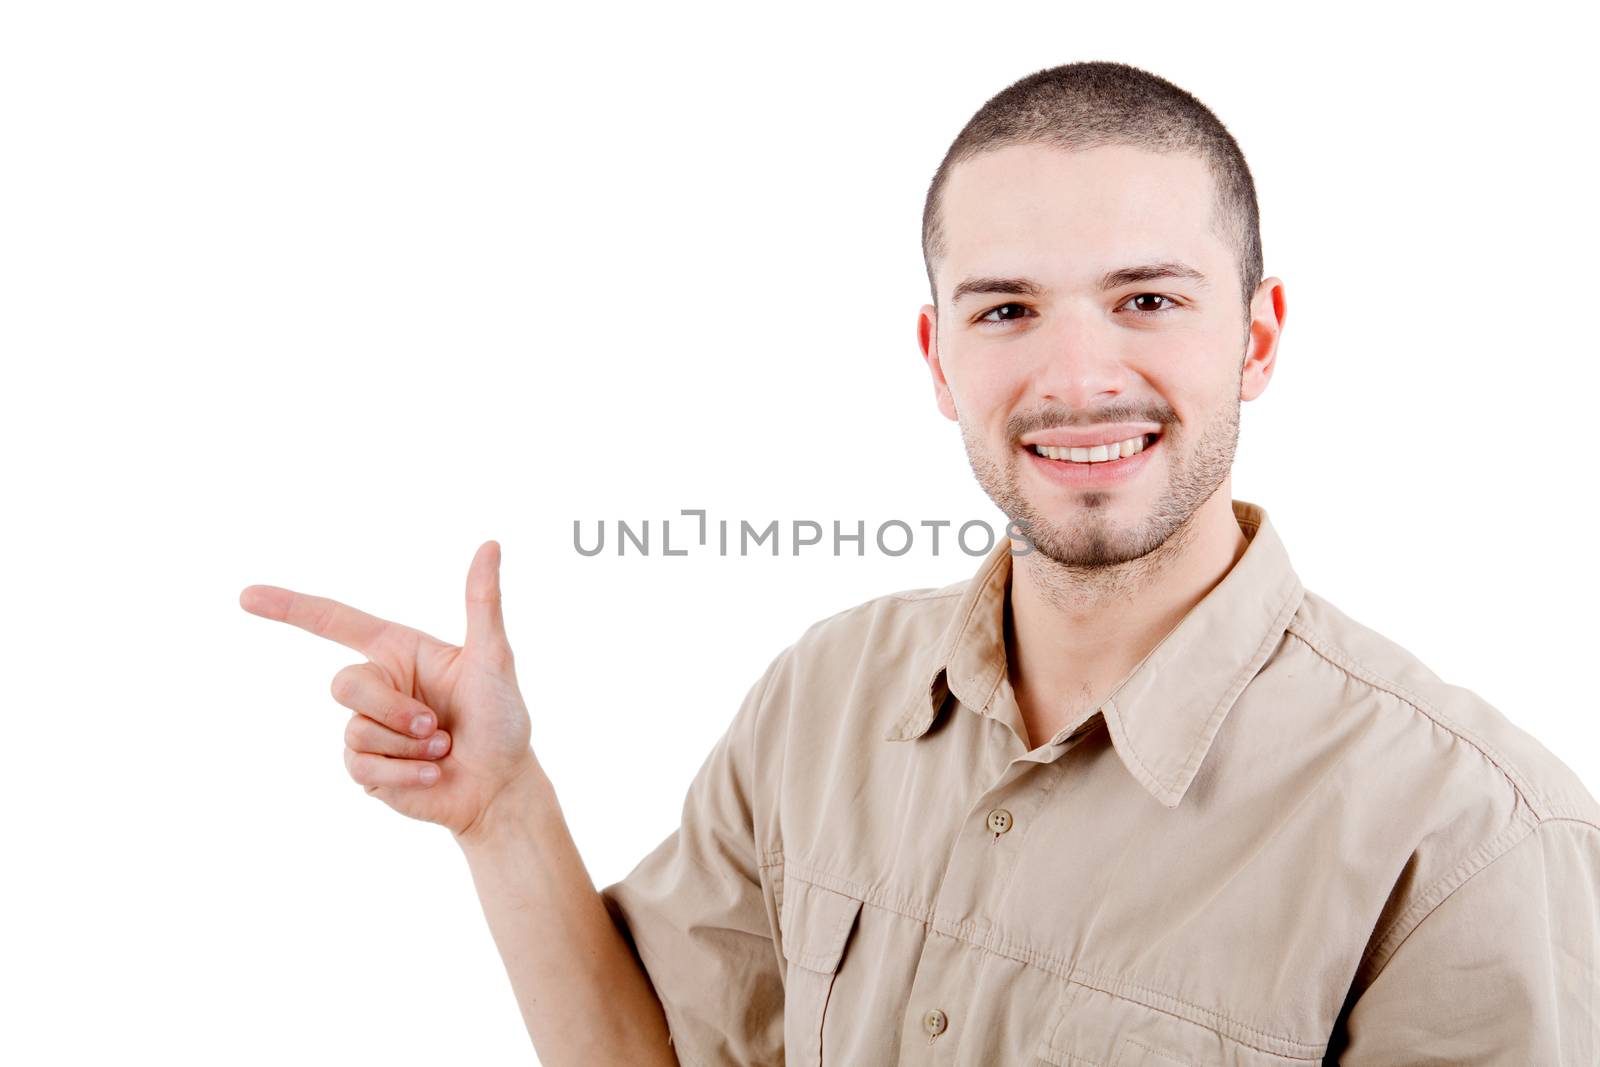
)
(975, 882)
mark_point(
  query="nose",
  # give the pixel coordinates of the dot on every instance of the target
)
(1080, 366)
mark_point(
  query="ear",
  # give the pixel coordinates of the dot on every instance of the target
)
(928, 340)
(1267, 310)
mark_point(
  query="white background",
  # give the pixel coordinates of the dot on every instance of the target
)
(325, 294)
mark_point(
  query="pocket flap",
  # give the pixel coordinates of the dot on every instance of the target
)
(816, 924)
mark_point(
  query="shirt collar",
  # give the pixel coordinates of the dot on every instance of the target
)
(1164, 715)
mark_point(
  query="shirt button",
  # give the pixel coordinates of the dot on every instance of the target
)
(999, 820)
(935, 1022)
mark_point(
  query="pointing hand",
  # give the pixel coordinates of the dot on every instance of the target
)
(437, 730)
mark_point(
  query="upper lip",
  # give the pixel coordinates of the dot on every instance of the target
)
(1105, 434)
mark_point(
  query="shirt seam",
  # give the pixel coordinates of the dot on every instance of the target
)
(754, 795)
(1531, 832)
(917, 598)
(1340, 658)
(1391, 937)
(988, 941)
(1402, 926)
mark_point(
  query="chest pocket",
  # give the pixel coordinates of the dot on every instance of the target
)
(816, 925)
(1091, 1028)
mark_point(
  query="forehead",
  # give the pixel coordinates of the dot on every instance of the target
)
(1029, 207)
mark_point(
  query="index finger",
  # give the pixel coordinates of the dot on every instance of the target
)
(349, 626)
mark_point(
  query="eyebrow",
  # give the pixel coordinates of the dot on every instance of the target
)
(1145, 272)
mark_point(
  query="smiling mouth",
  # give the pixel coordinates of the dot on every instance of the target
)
(1105, 453)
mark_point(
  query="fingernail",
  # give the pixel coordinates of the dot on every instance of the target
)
(429, 774)
(421, 725)
(436, 745)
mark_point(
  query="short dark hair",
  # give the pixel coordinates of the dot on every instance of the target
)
(1078, 106)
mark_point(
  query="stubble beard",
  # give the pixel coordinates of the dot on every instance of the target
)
(1092, 541)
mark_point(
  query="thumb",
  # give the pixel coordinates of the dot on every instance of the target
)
(486, 628)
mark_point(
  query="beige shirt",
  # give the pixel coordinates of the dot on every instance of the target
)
(1281, 841)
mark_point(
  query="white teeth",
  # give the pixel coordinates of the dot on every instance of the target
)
(1095, 454)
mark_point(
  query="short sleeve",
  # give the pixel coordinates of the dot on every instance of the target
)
(695, 912)
(1506, 970)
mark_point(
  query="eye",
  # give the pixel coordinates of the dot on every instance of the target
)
(1150, 310)
(1013, 307)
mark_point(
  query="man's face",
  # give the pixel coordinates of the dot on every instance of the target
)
(1152, 367)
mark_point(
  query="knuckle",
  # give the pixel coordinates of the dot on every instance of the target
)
(394, 713)
(353, 732)
(363, 770)
(345, 683)
(320, 615)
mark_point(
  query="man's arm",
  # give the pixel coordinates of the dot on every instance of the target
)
(1506, 970)
(441, 733)
(583, 995)
(700, 909)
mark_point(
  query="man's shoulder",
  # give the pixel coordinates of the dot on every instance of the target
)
(886, 626)
(856, 668)
(1414, 699)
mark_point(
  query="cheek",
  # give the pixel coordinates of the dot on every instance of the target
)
(1198, 414)
(985, 400)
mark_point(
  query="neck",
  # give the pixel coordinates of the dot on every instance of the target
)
(1072, 634)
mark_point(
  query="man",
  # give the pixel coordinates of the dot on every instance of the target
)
(1129, 796)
